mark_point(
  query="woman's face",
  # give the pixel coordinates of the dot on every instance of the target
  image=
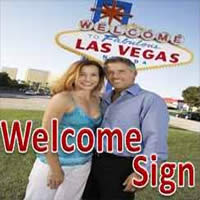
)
(88, 78)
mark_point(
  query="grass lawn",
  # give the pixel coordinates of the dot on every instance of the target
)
(15, 168)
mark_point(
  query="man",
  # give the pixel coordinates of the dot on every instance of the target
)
(127, 106)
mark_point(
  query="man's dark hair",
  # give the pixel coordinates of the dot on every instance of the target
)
(116, 59)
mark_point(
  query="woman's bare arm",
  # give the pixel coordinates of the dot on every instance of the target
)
(59, 104)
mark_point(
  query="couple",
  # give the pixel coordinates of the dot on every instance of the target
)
(76, 104)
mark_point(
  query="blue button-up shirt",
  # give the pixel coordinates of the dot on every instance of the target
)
(138, 108)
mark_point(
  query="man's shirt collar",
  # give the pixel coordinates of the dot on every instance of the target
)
(133, 90)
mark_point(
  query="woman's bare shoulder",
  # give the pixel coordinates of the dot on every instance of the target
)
(62, 99)
(96, 99)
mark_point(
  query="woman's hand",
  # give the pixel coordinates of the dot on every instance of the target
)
(55, 178)
(128, 183)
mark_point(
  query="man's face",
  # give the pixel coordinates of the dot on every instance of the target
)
(120, 75)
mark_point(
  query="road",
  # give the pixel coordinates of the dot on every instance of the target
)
(185, 124)
(25, 102)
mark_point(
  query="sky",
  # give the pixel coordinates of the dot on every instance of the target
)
(28, 29)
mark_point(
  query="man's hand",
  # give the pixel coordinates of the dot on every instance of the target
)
(54, 179)
(128, 183)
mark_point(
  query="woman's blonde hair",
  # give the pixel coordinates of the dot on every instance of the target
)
(68, 79)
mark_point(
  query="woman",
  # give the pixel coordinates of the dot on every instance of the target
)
(75, 103)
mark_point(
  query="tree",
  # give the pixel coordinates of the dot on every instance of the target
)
(191, 96)
(5, 80)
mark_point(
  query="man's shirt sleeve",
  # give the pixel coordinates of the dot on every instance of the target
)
(154, 128)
